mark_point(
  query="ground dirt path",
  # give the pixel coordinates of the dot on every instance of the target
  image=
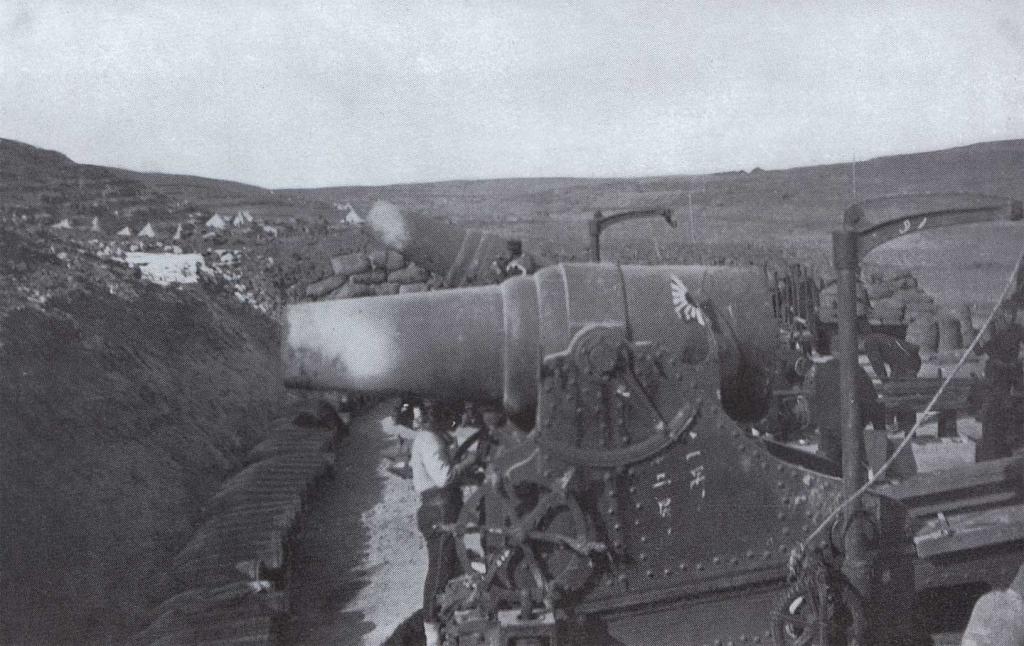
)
(358, 566)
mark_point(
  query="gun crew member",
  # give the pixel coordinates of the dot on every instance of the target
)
(1001, 421)
(513, 262)
(825, 408)
(436, 479)
(893, 358)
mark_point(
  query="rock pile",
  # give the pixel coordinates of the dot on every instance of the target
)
(379, 272)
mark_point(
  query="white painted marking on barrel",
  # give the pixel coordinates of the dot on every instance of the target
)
(685, 307)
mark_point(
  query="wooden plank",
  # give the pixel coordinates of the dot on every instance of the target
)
(1007, 472)
(970, 530)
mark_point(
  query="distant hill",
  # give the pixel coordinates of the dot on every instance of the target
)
(794, 194)
(33, 179)
(799, 202)
(189, 188)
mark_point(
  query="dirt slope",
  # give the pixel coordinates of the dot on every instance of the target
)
(122, 407)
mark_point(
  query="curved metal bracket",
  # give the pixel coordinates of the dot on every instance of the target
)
(880, 220)
(610, 458)
(600, 222)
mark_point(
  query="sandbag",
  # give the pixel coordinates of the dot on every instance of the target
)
(966, 318)
(353, 290)
(411, 288)
(924, 333)
(325, 286)
(386, 259)
(411, 274)
(914, 311)
(917, 296)
(949, 334)
(879, 291)
(375, 277)
(352, 263)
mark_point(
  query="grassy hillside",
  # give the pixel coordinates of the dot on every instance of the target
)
(123, 406)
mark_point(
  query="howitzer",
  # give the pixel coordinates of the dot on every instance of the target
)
(631, 482)
(631, 478)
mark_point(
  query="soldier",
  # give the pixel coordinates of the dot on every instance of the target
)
(513, 262)
(436, 479)
(825, 410)
(1000, 422)
(893, 358)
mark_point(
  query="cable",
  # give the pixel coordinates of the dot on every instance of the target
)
(928, 409)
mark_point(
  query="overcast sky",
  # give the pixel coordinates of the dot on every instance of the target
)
(332, 93)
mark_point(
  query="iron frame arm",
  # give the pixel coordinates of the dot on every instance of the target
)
(600, 222)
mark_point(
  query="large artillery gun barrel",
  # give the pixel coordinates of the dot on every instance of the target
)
(489, 343)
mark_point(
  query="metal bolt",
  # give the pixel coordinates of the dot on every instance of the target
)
(642, 556)
(700, 566)
(650, 574)
(715, 560)
(643, 539)
(668, 571)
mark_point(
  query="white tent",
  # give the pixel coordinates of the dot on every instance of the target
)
(63, 224)
(147, 231)
(125, 232)
(216, 222)
(351, 217)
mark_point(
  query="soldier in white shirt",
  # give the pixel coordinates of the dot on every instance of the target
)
(436, 478)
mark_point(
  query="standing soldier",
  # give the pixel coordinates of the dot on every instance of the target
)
(1000, 422)
(436, 478)
(825, 410)
(893, 358)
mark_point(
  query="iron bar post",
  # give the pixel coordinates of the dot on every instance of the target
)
(858, 551)
(595, 237)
